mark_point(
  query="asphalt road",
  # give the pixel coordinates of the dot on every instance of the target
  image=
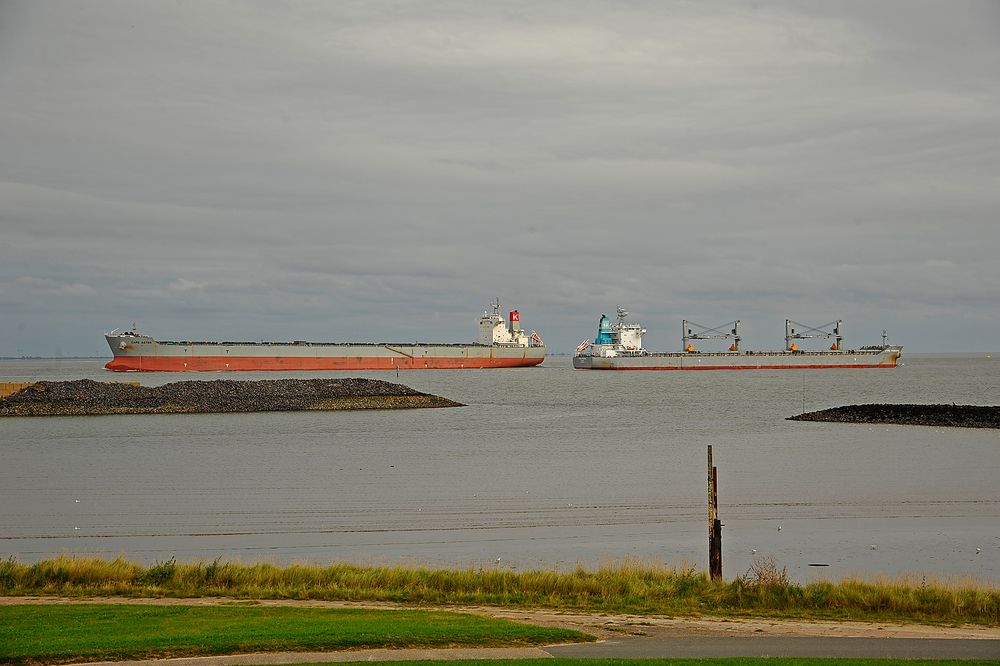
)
(782, 646)
(697, 647)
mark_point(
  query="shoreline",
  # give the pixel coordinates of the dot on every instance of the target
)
(627, 589)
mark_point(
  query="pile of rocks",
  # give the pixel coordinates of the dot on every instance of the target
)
(85, 396)
(959, 416)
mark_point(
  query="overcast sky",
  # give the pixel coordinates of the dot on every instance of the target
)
(380, 171)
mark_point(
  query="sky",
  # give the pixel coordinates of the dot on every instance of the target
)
(381, 171)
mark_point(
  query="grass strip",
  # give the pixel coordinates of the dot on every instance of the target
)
(97, 632)
(623, 587)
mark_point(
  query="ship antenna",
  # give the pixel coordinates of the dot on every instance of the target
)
(884, 338)
(622, 314)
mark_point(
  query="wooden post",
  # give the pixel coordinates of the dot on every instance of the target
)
(711, 504)
(714, 524)
(715, 557)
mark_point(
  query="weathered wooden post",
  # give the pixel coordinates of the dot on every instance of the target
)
(714, 524)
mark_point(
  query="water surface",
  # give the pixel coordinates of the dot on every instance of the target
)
(545, 467)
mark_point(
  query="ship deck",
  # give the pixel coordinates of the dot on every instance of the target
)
(743, 354)
(213, 343)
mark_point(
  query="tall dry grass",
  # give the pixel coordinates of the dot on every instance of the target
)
(625, 586)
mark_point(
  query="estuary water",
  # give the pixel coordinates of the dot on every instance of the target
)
(545, 467)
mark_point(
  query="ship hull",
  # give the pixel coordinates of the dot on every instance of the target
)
(742, 361)
(147, 355)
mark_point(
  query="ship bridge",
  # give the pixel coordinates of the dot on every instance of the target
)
(495, 332)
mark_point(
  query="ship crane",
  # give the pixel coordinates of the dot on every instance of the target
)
(692, 331)
(806, 332)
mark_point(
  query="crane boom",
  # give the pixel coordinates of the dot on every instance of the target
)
(806, 332)
(728, 331)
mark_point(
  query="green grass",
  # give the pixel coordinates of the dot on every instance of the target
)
(624, 587)
(59, 633)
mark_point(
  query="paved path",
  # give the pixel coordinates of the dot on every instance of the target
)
(783, 646)
(637, 648)
(357, 655)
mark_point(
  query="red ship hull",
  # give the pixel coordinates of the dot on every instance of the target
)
(696, 368)
(288, 363)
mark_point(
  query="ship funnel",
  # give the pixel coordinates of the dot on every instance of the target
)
(603, 331)
(515, 321)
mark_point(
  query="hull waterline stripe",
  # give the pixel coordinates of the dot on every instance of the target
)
(748, 367)
(234, 363)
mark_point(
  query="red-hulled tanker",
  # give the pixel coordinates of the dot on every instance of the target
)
(498, 346)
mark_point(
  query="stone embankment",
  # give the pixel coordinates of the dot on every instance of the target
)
(954, 416)
(87, 397)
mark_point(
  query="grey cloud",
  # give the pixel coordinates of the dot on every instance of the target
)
(381, 170)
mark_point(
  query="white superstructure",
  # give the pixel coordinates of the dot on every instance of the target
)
(618, 339)
(494, 331)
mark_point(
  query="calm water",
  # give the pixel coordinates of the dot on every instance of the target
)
(544, 467)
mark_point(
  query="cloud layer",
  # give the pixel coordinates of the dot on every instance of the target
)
(341, 171)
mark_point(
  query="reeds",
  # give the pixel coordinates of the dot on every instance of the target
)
(628, 586)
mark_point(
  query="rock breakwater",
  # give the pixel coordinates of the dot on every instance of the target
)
(953, 416)
(87, 397)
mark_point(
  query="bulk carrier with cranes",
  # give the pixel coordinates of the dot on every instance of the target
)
(618, 346)
(500, 345)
